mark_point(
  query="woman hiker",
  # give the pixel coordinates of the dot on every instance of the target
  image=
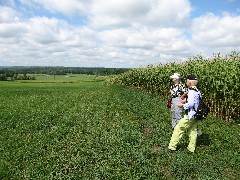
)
(176, 94)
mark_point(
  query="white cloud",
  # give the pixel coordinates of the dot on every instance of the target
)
(45, 41)
(216, 31)
(164, 13)
(123, 8)
(117, 33)
(139, 38)
(169, 12)
(12, 30)
(66, 7)
(7, 14)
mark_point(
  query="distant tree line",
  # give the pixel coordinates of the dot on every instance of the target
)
(59, 70)
(10, 76)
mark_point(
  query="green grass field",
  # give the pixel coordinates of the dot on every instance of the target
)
(69, 78)
(87, 130)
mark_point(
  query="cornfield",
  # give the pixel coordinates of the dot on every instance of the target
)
(218, 81)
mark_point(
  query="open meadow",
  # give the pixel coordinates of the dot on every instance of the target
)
(68, 78)
(51, 129)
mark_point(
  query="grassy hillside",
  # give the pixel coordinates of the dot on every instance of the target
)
(90, 131)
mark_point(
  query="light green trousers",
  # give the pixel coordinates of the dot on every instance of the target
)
(183, 125)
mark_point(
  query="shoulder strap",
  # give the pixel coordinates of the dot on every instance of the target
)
(193, 88)
(200, 99)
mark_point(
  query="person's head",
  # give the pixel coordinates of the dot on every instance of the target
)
(175, 78)
(191, 80)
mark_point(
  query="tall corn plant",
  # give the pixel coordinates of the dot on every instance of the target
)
(218, 81)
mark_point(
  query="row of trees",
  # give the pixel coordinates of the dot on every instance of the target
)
(10, 76)
(59, 70)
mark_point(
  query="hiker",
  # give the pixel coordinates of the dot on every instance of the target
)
(188, 122)
(176, 94)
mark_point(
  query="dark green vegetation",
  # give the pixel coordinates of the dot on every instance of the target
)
(13, 71)
(87, 130)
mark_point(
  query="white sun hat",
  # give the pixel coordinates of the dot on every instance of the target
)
(175, 76)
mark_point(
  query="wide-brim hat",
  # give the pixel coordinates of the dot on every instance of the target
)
(175, 76)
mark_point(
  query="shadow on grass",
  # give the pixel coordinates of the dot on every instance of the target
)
(203, 140)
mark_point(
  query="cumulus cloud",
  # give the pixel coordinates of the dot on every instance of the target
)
(66, 7)
(126, 33)
(170, 13)
(7, 14)
(145, 38)
(216, 31)
(124, 8)
(45, 41)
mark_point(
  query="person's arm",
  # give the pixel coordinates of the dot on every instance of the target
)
(184, 100)
(190, 102)
(184, 95)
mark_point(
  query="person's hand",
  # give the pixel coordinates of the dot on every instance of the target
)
(180, 104)
(184, 100)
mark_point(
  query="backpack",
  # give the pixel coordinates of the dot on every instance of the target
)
(202, 110)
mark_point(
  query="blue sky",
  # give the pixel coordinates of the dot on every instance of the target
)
(215, 6)
(113, 33)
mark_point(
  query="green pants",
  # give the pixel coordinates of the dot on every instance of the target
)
(183, 125)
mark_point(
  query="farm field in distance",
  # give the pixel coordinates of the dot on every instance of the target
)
(88, 130)
(65, 78)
